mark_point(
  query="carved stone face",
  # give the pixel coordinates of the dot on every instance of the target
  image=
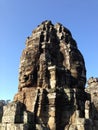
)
(52, 71)
(51, 46)
(78, 70)
(28, 68)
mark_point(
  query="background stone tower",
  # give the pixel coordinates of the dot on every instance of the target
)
(52, 79)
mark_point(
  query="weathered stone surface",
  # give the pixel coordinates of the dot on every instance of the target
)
(28, 97)
(52, 78)
(92, 89)
(51, 92)
(12, 126)
(15, 117)
(13, 112)
(51, 58)
(1, 109)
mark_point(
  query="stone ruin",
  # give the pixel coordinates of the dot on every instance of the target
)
(92, 89)
(51, 92)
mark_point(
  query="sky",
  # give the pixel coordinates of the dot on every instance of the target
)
(19, 17)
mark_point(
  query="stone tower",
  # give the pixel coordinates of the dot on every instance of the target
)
(52, 76)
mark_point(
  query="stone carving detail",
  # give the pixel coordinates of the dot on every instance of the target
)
(50, 45)
(92, 89)
(51, 92)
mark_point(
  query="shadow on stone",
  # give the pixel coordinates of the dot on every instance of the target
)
(51, 92)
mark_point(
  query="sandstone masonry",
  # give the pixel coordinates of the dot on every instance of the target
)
(51, 92)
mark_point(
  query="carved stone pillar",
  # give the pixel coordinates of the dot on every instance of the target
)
(52, 98)
(52, 70)
(52, 111)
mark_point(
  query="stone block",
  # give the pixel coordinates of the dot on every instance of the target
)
(51, 123)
